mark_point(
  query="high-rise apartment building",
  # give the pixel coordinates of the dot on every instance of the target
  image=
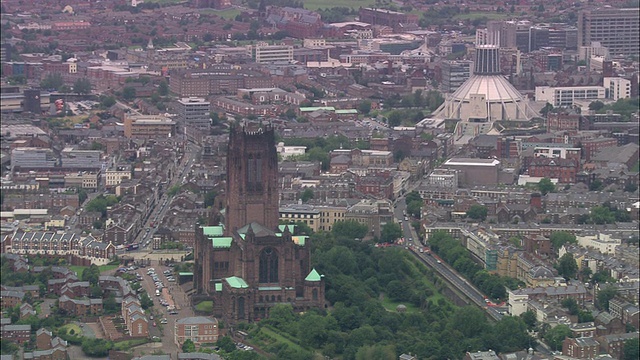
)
(194, 115)
(616, 29)
(455, 73)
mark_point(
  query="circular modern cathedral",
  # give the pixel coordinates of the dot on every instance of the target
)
(486, 96)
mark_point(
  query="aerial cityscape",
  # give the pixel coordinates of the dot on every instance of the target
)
(319, 179)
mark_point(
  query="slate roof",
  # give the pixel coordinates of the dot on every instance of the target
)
(258, 230)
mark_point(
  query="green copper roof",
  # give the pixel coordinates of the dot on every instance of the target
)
(242, 236)
(313, 276)
(299, 240)
(315, 108)
(218, 286)
(185, 273)
(221, 242)
(212, 230)
(268, 288)
(347, 111)
(291, 227)
(236, 282)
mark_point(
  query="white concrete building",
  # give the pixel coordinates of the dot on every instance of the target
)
(603, 243)
(289, 151)
(618, 88)
(566, 96)
(265, 53)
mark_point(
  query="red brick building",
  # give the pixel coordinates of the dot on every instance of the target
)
(199, 329)
(591, 147)
(16, 333)
(563, 122)
(580, 348)
(82, 307)
(564, 170)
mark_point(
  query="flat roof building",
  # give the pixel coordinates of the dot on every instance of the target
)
(616, 29)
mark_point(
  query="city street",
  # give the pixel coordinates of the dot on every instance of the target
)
(175, 293)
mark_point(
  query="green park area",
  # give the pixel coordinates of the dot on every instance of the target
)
(80, 269)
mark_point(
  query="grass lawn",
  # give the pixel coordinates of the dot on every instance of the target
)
(279, 338)
(77, 331)
(230, 13)
(80, 269)
(391, 305)
(477, 14)
(206, 306)
(418, 274)
(128, 344)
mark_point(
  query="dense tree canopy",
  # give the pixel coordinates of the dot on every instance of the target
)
(559, 238)
(349, 229)
(545, 186)
(567, 266)
(477, 212)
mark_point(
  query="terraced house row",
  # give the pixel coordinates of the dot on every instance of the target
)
(58, 243)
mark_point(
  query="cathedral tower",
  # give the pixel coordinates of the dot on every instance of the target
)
(252, 178)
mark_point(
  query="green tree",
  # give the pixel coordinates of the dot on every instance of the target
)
(604, 295)
(414, 208)
(91, 274)
(596, 105)
(281, 316)
(390, 232)
(376, 352)
(349, 229)
(163, 88)
(364, 107)
(209, 198)
(596, 185)
(630, 350)
(529, 318)
(107, 101)
(188, 346)
(554, 337)
(567, 266)
(559, 238)
(110, 305)
(226, 344)
(477, 212)
(52, 81)
(397, 291)
(145, 301)
(96, 347)
(306, 195)
(82, 86)
(546, 109)
(545, 186)
(413, 196)
(96, 291)
(571, 304)
(602, 215)
(129, 93)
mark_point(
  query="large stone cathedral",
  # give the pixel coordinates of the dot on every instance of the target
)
(251, 263)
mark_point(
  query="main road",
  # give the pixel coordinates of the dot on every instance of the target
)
(157, 213)
(443, 269)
